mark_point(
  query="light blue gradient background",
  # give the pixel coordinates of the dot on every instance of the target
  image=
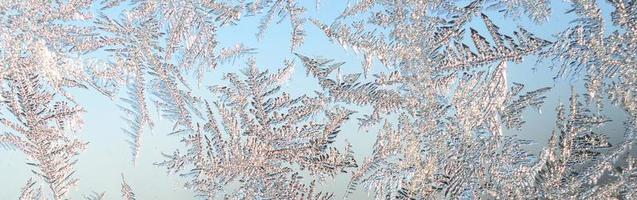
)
(108, 155)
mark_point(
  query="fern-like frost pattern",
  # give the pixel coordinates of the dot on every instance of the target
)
(434, 86)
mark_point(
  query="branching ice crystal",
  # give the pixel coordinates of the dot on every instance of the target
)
(259, 139)
(442, 108)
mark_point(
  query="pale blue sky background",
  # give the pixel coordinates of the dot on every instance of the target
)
(108, 154)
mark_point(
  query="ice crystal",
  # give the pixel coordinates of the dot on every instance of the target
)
(43, 129)
(127, 191)
(259, 139)
(442, 108)
(95, 196)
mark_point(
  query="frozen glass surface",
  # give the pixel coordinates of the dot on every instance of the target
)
(285, 99)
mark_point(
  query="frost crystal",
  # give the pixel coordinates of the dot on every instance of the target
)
(435, 87)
